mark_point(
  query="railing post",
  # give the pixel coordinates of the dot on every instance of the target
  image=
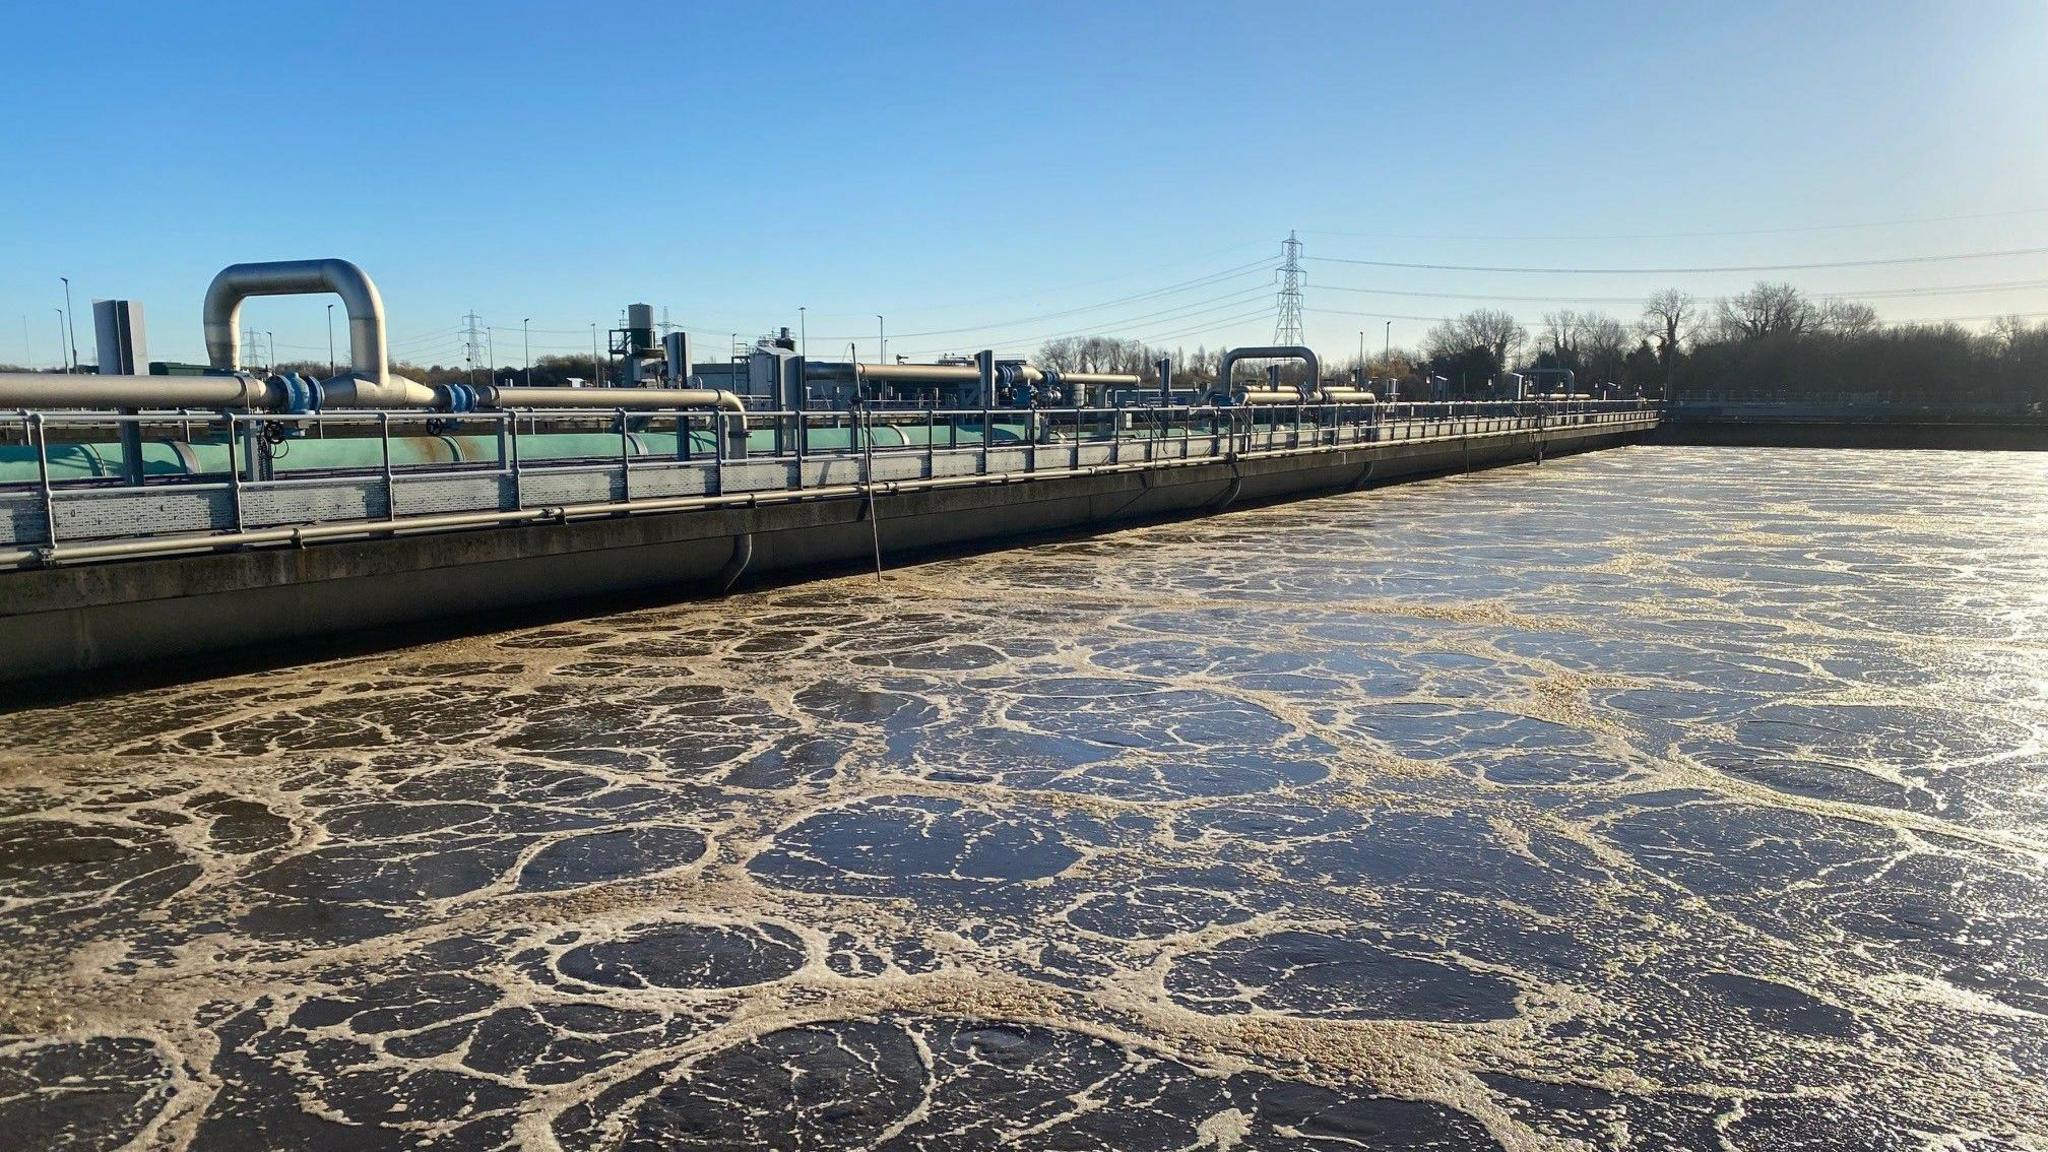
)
(235, 473)
(518, 479)
(718, 447)
(390, 489)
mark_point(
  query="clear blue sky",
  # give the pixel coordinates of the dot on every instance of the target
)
(977, 167)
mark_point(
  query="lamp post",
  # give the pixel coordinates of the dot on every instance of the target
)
(272, 338)
(70, 329)
(881, 340)
(596, 380)
(1388, 354)
(803, 329)
(330, 341)
(527, 342)
(61, 362)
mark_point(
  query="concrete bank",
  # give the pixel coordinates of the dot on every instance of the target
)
(74, 618)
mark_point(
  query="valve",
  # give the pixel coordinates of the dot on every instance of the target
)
(302, 394)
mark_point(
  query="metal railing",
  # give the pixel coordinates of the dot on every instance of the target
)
(67, 485)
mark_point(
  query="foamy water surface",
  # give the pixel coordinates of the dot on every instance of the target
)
(1651, 798)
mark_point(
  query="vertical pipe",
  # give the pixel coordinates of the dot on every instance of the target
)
(131, 447)
(41, 436)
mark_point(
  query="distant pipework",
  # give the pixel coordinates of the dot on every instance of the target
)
(1299, 352)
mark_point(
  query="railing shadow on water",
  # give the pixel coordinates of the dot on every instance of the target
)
(72, 478)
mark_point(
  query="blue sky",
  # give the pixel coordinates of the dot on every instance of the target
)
(996, 174)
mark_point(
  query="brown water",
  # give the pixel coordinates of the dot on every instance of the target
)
(1659, 797)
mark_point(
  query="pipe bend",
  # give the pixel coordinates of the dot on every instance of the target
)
(368, 351)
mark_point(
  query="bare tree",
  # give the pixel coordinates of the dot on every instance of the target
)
(1669, 318)
(1489, 329)
(1561, 329)
(1847, 318)
(1769, 309)
(1603, 345)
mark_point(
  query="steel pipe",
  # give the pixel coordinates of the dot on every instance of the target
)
(965, 373)
(48, 390)
(368, 352)
(1269, 396)
(1114, 379)
(604, 399)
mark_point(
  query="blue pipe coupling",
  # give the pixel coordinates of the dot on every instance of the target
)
(302, 394)
(457, 398)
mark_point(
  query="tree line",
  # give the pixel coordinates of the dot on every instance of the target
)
(1772, 342)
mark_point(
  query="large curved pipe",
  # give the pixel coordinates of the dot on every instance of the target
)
(368, 353)
(1275, 352)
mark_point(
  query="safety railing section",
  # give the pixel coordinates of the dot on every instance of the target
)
(71, 478)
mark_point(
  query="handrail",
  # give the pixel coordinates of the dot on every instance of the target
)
(259, 489)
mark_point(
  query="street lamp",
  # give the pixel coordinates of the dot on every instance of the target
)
(881, 340)
(330, 341)
(272, 337)
(526, 340)
(66, 365)
(70, 329)
(803, 330)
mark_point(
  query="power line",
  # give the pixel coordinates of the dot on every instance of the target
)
(1893, 322)
(1201, 258)
(1781, 231)
(1176, 313)
(1871, 294)
(1892, 260)
(1168, 290)
(1207, 326)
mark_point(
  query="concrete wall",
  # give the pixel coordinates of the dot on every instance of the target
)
(69, 619)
